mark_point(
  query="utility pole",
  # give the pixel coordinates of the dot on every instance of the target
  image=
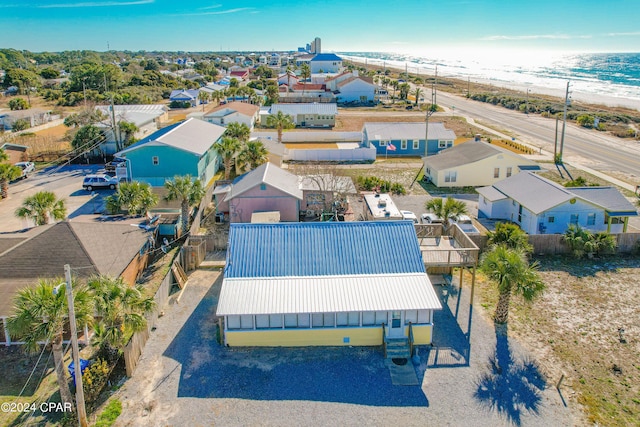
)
(84, 92)
(82, 413)
(555, 144)
(526, 109)
(468, 87)
(114, 125)
(435, 100)
(430, 111)
(564, 121)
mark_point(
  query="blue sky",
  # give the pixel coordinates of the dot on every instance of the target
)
(416, 26)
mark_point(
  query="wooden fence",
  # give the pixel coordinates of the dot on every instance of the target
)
(193, 252)
(134, 347)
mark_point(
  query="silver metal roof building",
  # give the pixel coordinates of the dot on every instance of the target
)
(416, 130)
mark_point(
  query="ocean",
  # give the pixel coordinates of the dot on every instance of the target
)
(610, 75)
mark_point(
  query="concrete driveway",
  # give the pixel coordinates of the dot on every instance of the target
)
(65, 182)
(185, 378)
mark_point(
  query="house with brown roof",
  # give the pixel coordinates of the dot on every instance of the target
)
(233, 112)
(239, 74)
(114, 248)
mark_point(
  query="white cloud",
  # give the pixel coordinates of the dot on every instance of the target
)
(536, 37)
(215, 6)
(218, 12)
(632, 34)
(94, 4)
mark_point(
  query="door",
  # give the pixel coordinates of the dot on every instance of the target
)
(396, 324)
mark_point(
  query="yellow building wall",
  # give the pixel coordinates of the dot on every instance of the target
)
(318, 337)
(481, 172)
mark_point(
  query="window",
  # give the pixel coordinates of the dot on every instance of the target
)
(520, 213)
(368, 318)
(573, 219)
(263, 187)
(342, 319)
(423, 316)
(509, 171)
(442, 144)
(591, 219)
(381, 317)
(496, 172)
(403, 144)
(450, 176)
(315, 199)
(410, 316)
(416, 144)
(155, 160)
(383, 143)
(551, 219)
(354, 318)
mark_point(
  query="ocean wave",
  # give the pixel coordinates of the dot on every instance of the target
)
(612, 74)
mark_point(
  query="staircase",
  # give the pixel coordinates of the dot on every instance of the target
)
(397, 348)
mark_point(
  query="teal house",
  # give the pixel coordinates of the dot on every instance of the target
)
(407, 139)
(184, 148)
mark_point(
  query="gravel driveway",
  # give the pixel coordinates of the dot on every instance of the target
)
(185, 378)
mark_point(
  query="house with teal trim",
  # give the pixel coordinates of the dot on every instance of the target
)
(407, 139)
(184, 148)
(358, 283)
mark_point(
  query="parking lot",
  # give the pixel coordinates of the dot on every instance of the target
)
(65, 182)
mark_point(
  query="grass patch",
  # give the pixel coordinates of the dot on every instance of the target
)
(110, 413)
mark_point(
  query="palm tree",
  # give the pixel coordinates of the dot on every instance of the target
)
(394, 84)
(417, 92)
(305, 72)
(228, 148)
(510, 235)
(42, 207)
(188, 191)
(253, 154)
(511, 271)
(447, 209)
(40, 315)
(7, 174)
(237, 130)
(121, 309)
(280, 121)
(218, 96)
(128, 129)
(135, 197)
(272, 94)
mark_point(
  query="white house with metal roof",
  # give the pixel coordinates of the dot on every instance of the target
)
(325, 284)
(541, 206)
(406, 139)
(474, 164)
(326, 63)
(308, 114)
(147, 119)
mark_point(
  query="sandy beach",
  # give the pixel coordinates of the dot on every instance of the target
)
(559, 92)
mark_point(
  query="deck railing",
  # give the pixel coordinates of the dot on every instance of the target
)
(410, 340)
(384, 341)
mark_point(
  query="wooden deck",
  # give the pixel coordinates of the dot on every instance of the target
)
(447, 251)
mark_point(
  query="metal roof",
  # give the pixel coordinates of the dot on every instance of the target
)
(608, 198)
(308, 108)
(395, 130)
(269, 174)
(192, 135)
(533, 192)
(490, 193)
(466, 153)
(322, 249)
(327, 294)
(326, 57)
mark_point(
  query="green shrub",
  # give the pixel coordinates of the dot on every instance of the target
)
(110, 413)
(21, 124)
(18, 104)
(94, 379)
(583, 242)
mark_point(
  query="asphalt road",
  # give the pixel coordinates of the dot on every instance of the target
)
(594, 149)
(66, 183)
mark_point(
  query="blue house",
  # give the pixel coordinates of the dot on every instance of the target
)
(184, 148)
(186, 95)
(407, 139)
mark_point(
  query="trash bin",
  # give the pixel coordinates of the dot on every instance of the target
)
(84, 364)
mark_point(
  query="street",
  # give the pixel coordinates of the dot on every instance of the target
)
(66, 183)
(582, 146)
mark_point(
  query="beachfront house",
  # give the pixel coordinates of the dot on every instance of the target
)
(326, 63)
(184, 148)
(336, 288)
(541, 206)
(474, 164)
(406, 139)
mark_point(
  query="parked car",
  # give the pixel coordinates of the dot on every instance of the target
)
(27, 168)
(408, 215)
(99, 181)
(113, 164)
(431, 218)
(465, 223)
